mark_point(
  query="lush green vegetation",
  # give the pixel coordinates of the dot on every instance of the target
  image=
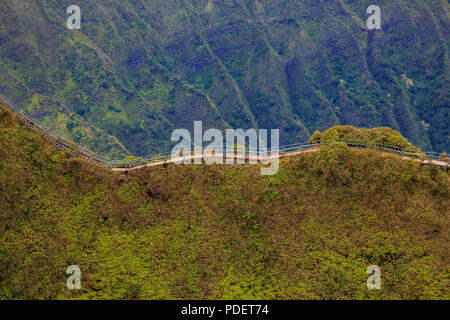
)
(137, 69)
(376, 136)
(310, 232)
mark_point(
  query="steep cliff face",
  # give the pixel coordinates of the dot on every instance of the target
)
(138, 69)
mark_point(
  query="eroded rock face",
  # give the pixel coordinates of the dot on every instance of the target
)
(138, 69)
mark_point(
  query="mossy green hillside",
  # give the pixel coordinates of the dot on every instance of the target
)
(226, 232)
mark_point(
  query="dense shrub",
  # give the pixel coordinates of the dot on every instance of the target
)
(374, 136)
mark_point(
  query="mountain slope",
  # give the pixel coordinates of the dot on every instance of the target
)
(138, 69)
(202, 231)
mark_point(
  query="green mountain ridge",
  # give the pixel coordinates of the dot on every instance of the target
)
(222, 232)
(139, 69)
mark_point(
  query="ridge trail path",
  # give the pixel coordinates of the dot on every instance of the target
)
(218, 156)
(258, 158)
(429, 158)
